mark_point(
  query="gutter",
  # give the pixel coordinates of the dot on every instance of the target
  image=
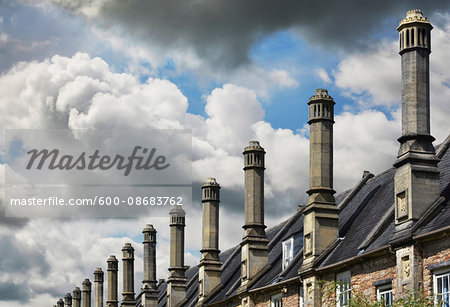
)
(274, 285)
(355, 258)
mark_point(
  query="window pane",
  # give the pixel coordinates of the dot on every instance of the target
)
(442, 290)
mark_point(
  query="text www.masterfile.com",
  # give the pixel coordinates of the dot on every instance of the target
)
(99, 201)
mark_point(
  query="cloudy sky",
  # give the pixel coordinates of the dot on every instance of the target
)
(229, 70)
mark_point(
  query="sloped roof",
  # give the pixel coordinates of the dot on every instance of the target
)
(366, 223)
(365, 212)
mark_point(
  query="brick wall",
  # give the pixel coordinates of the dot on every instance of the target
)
(434, 252)
(365, 274)
(290, 298)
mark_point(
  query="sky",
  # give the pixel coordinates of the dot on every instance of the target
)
(231, 71)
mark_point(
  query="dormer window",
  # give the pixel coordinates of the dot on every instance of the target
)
(288, 252)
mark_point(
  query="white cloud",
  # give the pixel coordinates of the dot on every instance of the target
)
(81, 91)
(372, 77)
(232, 110)
(323, 75)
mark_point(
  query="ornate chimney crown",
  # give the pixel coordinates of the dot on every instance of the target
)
(321, 106)
(177, 216)
(68, 299)
(98, 275)
(415, 15)
(414, 31)
(86, 285)
(112, 263)
(210, 190)
(128, 251)
(149, 234)
(253, 155)
(320, 94)
(77, 293)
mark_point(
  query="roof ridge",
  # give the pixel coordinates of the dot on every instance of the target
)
(428, 213)
(376, 230)
(443, 147)
(294, 260)
(284, 228)
(366, 176)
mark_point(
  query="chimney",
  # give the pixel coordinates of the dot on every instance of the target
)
(68, 300)
(128, 276)
(113, 268)
(98, 287)
(210, 265)
(86, 293)
(77, 297)
(150, 290)
(254, 245)
(321, 224)
(60, 303)
(176, 283)
(416, 181)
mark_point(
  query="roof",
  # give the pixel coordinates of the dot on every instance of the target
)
(366, 223)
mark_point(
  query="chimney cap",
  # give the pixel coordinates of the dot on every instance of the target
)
(112, 258)
(252, 146)
(127, 247)
(210, 181)
(178, 211)
(149, 228)
(321, 94)
(414, 16)
(86, 285)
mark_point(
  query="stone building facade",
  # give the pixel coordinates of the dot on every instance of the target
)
(386, 238)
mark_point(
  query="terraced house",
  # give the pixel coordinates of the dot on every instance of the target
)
(386, 238)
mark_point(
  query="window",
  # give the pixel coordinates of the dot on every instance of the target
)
(441, 288)
(343, 290)
(244, 269)
(276, 301)
(288, 252)
(200, 287)
(300, 297)
(384, 295)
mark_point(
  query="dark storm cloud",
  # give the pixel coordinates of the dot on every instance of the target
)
(230, 199)
(223, 31)
(19, 260)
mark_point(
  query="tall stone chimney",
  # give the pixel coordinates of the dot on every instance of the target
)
(321, 213)
(60, 303)
(416, 182)
(254, 245)
(210, 265)
(68, 300)
(113, 268)
(128, 298)
(86, 293)
(320, 225)
(149, 288)
(176, 283)
(98, 287)
(77, 297)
